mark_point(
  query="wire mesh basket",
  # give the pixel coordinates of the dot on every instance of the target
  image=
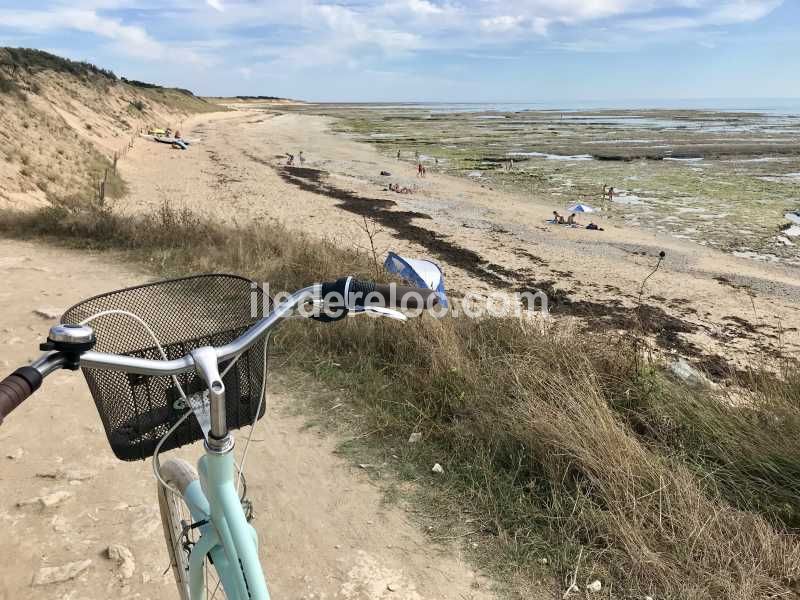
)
(184, 314)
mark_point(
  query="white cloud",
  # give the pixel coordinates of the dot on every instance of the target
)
(728, 12)
(501, 24)
(131, 40)
(423, 7)
(360, 33)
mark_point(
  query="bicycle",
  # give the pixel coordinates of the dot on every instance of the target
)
(204, 358)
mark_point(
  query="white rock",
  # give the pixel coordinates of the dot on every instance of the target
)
(48, 500)
(648, 598)
(438, 469)
(595, 586)
(49, 313)
(542, 561)
(687, 372)
(48, 575)
(392, 587)
(124, 559)
(414, 437)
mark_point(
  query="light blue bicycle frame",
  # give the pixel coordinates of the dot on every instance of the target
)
(226, 537)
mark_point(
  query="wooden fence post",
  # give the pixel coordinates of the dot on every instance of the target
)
(103, 188)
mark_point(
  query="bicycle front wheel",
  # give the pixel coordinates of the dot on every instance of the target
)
(176, 519)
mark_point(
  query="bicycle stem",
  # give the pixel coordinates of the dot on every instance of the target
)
(207, 366)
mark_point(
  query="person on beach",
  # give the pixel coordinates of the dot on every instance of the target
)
(611, 194)
(420, 170)
(594, 227)
(398, 154)
(301, 158)
(557, 218)
(571, 220)
(289, 159)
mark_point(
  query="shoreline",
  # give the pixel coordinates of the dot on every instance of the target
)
(693, 174)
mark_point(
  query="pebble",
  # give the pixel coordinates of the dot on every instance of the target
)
(414, 437)
(48, 575)
(595, 586)
(48, 500)
(68, 474)
(438, 469)
(124, 559)
(59, 524)
(16, 454)
(48, 313)
(392, 587)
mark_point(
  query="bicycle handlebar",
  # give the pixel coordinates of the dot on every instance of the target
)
(346, 294)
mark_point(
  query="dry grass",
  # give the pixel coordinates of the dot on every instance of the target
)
(554, 444)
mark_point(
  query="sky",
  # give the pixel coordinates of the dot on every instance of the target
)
(430, 50)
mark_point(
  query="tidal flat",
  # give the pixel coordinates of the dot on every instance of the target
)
(728, 180)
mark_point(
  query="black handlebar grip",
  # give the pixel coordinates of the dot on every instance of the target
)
(16, 388)
(347, 293)
(405, 296)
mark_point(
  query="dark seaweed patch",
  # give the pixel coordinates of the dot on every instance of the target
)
(654, 321)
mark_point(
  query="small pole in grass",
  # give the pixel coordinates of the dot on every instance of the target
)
(661, 256)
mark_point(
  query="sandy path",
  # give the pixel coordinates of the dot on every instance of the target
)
(325, 532)
(235, 173)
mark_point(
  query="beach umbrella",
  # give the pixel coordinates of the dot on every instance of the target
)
(581, 208)
(418, 272)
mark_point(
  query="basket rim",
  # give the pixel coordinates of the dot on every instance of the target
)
(150, 284)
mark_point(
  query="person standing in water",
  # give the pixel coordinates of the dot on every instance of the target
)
(301, 158)
(398, 154)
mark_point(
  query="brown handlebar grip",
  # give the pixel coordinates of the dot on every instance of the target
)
(16, 388)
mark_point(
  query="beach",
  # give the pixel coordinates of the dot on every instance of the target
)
(558, 441)
(722, 310)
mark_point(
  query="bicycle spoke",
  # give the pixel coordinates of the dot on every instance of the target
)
(214, 595)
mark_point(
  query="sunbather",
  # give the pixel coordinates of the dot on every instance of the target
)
(571, 220)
